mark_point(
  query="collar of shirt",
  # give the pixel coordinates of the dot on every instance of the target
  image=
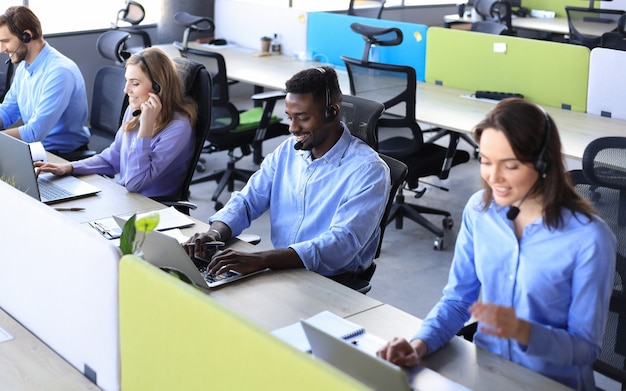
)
(336, 153)
(39, 60)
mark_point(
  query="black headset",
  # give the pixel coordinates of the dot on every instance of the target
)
(155, 86)
(330, 113)
(540, 163)
(24, 36)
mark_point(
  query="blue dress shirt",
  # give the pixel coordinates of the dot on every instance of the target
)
(49, 96)
(328, 210)
(558, 280)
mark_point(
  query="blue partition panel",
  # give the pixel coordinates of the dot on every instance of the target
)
(329, 36)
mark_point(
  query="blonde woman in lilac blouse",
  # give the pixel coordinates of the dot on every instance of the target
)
(153, 147)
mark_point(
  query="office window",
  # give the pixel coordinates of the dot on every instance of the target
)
(60, 16)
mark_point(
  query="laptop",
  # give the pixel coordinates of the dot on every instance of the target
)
(16, 168)
(165, 252)
(366, 367)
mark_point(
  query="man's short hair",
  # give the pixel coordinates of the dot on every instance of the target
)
(316, 81)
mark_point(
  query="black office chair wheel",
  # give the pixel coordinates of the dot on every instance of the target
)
(447, 222)
(438, 244)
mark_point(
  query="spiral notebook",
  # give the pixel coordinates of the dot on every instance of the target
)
(335, 326)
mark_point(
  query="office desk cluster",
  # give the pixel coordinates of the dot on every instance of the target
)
(75, 312)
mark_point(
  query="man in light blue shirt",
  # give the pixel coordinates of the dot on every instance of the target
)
(48, 90)
(325, 189)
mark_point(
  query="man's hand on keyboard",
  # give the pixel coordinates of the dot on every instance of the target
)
(243, 263)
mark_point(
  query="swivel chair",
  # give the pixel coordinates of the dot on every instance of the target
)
(587, 25)
(395, 87)
(6, 76)
(108, 101)
(133, 13)
(361, 116)
(615, 39)
(495, 10)
(367, 12)
(196, 83)
(602, 181)
(231, 129)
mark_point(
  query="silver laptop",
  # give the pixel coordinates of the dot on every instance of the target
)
(16, 168)
(366, 367)
(165, 252)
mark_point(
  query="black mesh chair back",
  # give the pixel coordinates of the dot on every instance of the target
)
(603, 182)
(196, 83)
(227, 131)
(192, 23)
(495, 10)
(6, 76)
(615, 39)
(360, 116)
(108, 104)
(587, 25)
(395, 87)
(112, 45)
(367, 11)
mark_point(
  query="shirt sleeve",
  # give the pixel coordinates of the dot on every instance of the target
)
(56, 92)
(580, 343)
(449, 315)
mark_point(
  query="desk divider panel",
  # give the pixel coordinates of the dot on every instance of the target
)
(557, 6)
(548, 73)
(329, 36)
(607, 84)
(59, 280)
(175, 337)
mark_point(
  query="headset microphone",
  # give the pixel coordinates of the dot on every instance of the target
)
(298, 146)
(8, 60)
(513, 211)
(136, 113)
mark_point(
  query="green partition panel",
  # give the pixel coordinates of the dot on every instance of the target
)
(174, 337)
(549, 73)
(557, 6)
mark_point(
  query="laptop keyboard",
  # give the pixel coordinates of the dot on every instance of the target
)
(211, 278)
(50, 191)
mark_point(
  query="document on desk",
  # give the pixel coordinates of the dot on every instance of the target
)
(169, 218)
(4, 335)
(334, 325)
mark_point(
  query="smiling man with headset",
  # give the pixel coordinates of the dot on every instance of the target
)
(325, 190)
(48, 90)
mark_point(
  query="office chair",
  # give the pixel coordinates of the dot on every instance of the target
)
(133, 13)
(367, 12)
(587, 25)
(196, 83)
(6, 76)
(361, 116)
(108, 100)
(193, 24)
(602, 181)
(495, 10)
(489, 27)
(395, 87)
(231, 129)
(615, 39)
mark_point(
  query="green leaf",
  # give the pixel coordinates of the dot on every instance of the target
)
(127, 240)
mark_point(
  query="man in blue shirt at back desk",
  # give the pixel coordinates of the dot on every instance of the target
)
(48, 90)
(325, 189)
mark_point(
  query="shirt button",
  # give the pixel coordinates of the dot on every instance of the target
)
(511, 277)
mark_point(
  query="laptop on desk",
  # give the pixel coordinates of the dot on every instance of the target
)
(165, 252)
(366, 367)
(16, 168)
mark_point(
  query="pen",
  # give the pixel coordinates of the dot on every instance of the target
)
(74, 209)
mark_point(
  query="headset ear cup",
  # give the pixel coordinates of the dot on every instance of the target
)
(330, 113)
(26, 38)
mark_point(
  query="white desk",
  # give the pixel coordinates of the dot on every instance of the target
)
(556, 25)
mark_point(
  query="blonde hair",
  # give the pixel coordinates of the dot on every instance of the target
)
(163, 72)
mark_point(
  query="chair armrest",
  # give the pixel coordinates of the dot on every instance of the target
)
(182, 206)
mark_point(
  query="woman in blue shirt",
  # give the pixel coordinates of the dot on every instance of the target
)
(533, 262)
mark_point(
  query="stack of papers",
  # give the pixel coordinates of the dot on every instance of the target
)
(111, 227)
